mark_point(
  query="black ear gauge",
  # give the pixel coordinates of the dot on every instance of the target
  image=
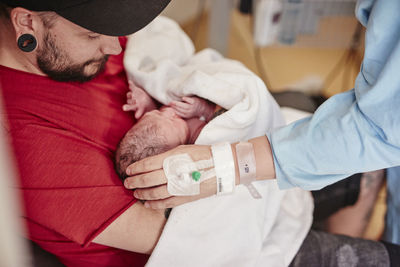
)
(27, 42)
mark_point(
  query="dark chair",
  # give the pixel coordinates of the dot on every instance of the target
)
(42, 258)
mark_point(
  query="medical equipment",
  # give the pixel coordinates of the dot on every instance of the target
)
(185, 175)
(247, 166)
(301, 22)
(224, 167)
(317, 23)
(267, 17)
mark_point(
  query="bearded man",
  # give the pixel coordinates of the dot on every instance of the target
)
(63, 85)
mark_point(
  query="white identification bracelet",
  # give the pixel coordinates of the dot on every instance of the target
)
(224, 167)
(247, 166)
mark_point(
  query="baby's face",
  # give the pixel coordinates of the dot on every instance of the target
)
(173, 127)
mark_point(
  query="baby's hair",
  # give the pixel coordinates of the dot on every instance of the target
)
(141, 141)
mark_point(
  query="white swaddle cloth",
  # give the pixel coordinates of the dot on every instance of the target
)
(233, 230)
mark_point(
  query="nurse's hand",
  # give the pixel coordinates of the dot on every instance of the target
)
(148, 179)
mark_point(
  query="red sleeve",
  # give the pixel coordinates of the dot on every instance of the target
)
(123, 40)
(69, 182)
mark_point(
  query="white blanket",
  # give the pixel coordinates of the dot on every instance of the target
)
(234, 230)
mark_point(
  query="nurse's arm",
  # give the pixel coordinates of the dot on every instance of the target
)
(148, 178)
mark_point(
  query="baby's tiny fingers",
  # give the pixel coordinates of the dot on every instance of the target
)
(139, 113)
(180, 114)
(179, 104)
(128, 107)
(189, 100)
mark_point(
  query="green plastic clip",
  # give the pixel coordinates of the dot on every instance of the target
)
(196, 175)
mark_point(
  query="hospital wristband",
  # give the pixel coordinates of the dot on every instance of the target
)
(224, 168)
(247, 166)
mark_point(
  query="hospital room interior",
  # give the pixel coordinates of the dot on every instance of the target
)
(304, 51)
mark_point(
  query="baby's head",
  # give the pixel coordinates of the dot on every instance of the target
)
(156, 132)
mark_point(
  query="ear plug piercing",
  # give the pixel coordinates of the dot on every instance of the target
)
(27, 42)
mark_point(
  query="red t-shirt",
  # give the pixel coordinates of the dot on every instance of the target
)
(64, 136)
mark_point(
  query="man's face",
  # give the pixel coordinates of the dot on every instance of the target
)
(173, 127)
(68, 52)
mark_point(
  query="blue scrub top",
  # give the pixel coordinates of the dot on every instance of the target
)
(356, 131)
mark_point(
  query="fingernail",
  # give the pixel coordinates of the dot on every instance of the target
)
(127, 185)
(128, 171)
(146, 205)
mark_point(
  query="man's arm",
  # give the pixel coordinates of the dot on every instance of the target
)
(137, 229)
(93, 201)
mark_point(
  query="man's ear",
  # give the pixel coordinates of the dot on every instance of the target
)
(24, 21)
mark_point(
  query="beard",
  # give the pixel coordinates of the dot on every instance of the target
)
(56, 64)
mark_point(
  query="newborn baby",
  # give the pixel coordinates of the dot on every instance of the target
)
(160, 130)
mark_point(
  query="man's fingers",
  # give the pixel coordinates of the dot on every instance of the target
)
(146, 180)
(155, 193)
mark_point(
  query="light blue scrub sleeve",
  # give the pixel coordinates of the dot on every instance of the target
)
(356, 131)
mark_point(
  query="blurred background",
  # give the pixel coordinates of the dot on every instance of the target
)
(315, 45)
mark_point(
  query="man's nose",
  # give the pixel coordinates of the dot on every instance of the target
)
(110, 45)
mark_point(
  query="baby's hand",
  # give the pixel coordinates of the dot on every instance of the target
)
(193, 106)
(138, 101)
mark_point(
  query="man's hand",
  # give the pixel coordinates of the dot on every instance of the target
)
(138, 101)
(148, 178)
(192, 106)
